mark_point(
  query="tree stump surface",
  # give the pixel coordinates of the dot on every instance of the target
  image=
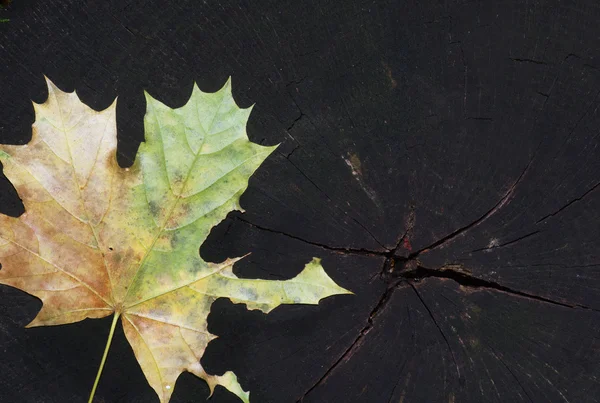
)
(442, 158)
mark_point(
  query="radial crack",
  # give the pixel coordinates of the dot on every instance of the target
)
(488, 248)
(568, 204)
(482, 218)
(352, 251)
(467, 280)
(330, 200)
(438, 326)
(349, 352)
(511, 372)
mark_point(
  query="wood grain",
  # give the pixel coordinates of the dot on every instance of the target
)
(441, 157)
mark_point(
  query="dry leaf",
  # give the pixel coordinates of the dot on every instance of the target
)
(97, 239)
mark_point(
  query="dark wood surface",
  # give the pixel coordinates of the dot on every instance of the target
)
(442, 157)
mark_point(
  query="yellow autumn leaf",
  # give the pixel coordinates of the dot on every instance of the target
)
(97, 239)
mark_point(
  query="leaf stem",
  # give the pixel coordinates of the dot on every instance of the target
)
(108, 342)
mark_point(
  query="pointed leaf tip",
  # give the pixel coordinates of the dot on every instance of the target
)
(53, 88)
(148, 98)
(229, 381)
(49, 82)
(315, 273)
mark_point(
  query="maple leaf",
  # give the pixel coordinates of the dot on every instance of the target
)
(97, 239)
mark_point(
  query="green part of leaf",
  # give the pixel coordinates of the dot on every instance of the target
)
(196, 162)
(308, 287)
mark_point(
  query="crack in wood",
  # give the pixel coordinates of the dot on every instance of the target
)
(411, 276)
(337, 249)
(499, 358)
(532, 61)
(503, 200)
(397, 271)
(568, 204)
(438, 327)
(387, 267)
(291, 126)
(349, 352)
(409, 269)
(488, 248)
(467, 280)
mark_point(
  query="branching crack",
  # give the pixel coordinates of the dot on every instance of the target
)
(401, 270)
(410, 269)
(397, 269)
(387, 268)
